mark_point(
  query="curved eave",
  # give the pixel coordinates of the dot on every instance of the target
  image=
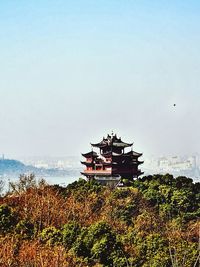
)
(84, 173)
(133, 154)
(89, 154)
(87, 163)
(99, 145)
(135, 163)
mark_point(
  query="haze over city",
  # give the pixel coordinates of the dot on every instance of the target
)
(73, 71)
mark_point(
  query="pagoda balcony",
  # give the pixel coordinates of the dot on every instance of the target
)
(125, 171)
(106, 172)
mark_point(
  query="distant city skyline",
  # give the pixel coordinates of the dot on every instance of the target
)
(73, 71)
(187, 165)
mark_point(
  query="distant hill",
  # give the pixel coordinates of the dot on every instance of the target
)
(10, 165)
(15, 167)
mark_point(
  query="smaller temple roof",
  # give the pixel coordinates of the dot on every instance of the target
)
(100, 144)
(90, 154)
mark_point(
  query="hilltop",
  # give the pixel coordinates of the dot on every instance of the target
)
(11, 166)
(152, 222)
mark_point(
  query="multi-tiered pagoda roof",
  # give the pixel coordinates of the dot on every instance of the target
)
(113, 141)
(112, 161)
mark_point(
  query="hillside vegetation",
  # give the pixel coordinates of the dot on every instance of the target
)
(152, 222)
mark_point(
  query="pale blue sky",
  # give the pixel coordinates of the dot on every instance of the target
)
(71, 71)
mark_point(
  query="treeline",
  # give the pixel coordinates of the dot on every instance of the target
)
(154, 221)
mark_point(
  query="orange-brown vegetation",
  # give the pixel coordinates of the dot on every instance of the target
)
(86, 224)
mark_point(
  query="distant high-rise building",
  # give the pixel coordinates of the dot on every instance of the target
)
(112, 162)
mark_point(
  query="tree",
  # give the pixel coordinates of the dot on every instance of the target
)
(70, 233)
(25, 182)
(100, 243)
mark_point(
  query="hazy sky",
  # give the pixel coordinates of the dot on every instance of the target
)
(72, 71)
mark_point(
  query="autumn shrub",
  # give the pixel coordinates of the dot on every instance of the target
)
(8, 219)
(51, 236)
(25, 229)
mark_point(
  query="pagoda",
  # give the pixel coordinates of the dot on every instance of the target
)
(112, 162)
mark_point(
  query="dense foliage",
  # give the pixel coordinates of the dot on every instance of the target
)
(154, 221)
